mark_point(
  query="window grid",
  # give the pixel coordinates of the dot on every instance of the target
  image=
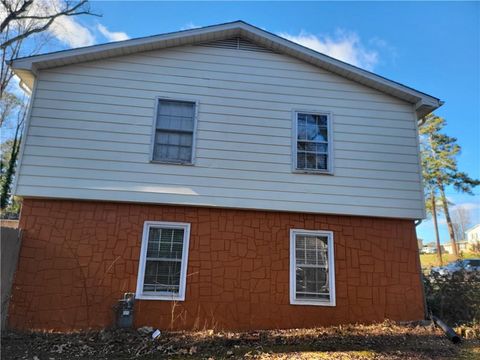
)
(158, 281)
(163, 261)
(312, 142)
(311, 264)
(174, 131)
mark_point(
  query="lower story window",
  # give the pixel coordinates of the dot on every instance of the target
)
(312, 272)
(163, 261)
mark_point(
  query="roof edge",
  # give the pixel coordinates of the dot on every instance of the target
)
(27, 67)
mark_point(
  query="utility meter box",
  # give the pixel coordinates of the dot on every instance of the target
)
(124, 311)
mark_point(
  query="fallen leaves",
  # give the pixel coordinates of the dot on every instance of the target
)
(387, 340)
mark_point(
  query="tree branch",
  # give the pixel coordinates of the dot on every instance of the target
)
(15, 15)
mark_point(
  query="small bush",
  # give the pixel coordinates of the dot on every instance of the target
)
(454, 298)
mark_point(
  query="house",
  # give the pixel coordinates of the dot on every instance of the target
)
(228, 177)
(462, 246)
(472, 235)
(430, 248)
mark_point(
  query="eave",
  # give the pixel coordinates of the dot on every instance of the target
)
(27, 68)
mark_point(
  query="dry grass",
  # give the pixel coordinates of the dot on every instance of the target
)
(381, 341)
(430, 260)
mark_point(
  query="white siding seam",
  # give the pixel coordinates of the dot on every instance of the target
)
(225, 168)
(340, 92)
(41, 125)
(227, 197)
(232, 188)
(143, 173)
(182, 93)
(277, 119)
(361, 102)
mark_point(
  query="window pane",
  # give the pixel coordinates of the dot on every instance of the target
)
(173, 146)
(165, 243)
(173, 152)
(321, 120)
(311, 250)
(162, 276)
(311, 161)
(311, 267)
(321, 148)
(321, 134)
(312, 142)
(301, 132)
(163, 260)
(174, 134)
(301, 160)
(322, 162)
(175, 115)
(311, 281)
(185, 153)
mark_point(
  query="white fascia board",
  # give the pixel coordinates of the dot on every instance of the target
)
(271, 41)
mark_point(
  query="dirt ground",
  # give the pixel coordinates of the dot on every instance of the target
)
(380, 341)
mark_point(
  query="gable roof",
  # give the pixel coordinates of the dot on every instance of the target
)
(472, 228)
(26, 68)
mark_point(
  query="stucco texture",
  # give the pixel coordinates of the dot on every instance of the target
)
(79, 257)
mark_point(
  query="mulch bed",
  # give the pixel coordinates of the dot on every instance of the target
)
(380, 341)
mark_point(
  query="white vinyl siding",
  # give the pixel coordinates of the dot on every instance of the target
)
(163, 261)
(174, 131)
(312, 270)
(90, 135)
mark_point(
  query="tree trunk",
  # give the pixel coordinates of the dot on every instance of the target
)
(10, 172)
(435, 225)
(449, 220)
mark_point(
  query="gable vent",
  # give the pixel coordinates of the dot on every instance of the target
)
(236, 43)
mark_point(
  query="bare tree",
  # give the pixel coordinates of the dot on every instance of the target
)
(24, 26)
(8, 169)
(24, 19)
(461, 220)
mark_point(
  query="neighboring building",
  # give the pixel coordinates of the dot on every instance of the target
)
(231, 178)
(473, 234)
(461, 246)
(471, 242)
(431, 248)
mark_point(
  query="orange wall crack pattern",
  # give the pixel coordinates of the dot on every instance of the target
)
(78, 258)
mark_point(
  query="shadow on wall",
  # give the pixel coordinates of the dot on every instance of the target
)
(10, 240)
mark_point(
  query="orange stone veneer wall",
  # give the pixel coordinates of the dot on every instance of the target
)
(78, 258)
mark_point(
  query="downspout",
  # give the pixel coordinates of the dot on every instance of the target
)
(425, 310)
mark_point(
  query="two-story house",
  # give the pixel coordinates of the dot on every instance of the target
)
(229, 177)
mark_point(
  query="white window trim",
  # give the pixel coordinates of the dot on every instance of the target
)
(143, 258)
(154, 131)
(331, 268)
(329, 170)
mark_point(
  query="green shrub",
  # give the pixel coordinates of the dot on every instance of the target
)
(454, 298)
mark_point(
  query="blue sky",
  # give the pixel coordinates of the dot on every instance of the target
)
(431, 46)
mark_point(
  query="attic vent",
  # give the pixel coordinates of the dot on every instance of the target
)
(235, 43)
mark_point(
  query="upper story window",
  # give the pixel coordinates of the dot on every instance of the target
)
(312, 272)
(313, 142)
(174, 131)
(162, 267)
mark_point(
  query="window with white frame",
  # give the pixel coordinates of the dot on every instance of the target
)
(312, 148)
(163, 261)
(312, 272)
(174, 131)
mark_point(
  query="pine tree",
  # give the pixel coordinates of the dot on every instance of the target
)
(440, 167)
